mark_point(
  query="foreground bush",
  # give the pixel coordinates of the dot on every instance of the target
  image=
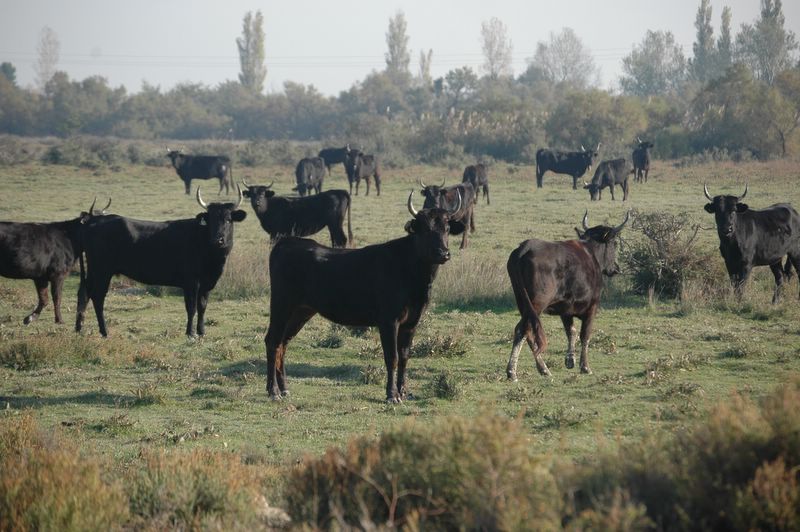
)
(465, 474)
(46, 483)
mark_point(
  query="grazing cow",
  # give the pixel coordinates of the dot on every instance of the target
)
(363, 166)
(333, 156)
(309, 175)
(282, 216)
(202, 167)
(561, 278)
(750, 238)
(574, 163)
(476, 174)
(641, 161)
(608, 174)
(446, 198)
(45, 253)
(392, 284)
(189, 254)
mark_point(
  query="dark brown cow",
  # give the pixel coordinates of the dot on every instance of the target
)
(363, 166)
(45, 253)
(385, 285)
(564, 279)
(479, 177)
(446, 198)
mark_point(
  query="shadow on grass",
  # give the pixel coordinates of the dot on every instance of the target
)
(91, 398)
(258, 366)
(495, 304)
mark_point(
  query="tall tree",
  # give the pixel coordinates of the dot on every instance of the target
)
(48, 51)
(656, 66)
(497, 48)
(398, 56)
(702, 65)
(767, 47)
(425, 59)
(724, 43)
(564, 59)
(460, 83)
(251, 52)
(9, 71)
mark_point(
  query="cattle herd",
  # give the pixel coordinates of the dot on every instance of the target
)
(395, 277)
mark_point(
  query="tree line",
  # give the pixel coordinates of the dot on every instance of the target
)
(736, 93)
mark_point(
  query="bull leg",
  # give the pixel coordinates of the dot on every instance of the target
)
(202, 303)
(520, 331)
(388, 332)
(625, 191)
(190, 300)
(295, 324)
(366, 181)
(56, 284)
(404, 338)
(569, 329)
(792, 260)
(472, 222)
(358, 183)
(41, 292)
(611, 188)
(486, 193)
(97, 293)
(273, 342)
(574, 182)
(80, 310)
(646, 171)
(338, 238)
(221, 184)
(539, 178)
(777, 272)
(538, 343)
(377, 185)
(187, 183)
(586, 334)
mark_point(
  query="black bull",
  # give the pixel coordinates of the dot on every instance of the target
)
(641, 161)
(750, 238)
(573, 163)
(479, 177)
(443, 197)
(191, 167)
(333, 156)
(188, 254)
(609, 174)
(309, 175)
(282, 216)
(564, 279)
(393, 281)
(45, 253)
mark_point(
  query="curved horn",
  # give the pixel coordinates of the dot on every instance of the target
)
(618, 228)
(91, 209)
(442, 185)
(582, 148)
(585, 220)
(202, 203)
(270, 185)
(458, 206)
(585, 184)
(107, 206)
(238, 202)
(410, 204)
(421, 183)
(598, 147)
(705, 191)
(745, 193)
(638, 139)
(245, 184)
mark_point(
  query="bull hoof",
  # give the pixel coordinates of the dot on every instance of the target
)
(285, 393)
(586, 371)
(29, 319)
(511, 376)
(393, 400)
(275, 397)
(569, 362)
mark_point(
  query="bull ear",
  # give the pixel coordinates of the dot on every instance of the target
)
(246, 193)
(202, 218)
(741, 207)
(269, 193)
(238, 216)
(709, 207)
(411, 226)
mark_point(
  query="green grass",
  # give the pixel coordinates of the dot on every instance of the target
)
(657, 365)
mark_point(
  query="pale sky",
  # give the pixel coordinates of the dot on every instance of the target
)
(328, 44)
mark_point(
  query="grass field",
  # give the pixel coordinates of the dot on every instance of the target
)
(657, 364)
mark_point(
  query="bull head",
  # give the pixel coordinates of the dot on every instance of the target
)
(414, 212)
(103, 210)
(738, 198)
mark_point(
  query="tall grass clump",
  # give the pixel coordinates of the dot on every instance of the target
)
(246, 274)
(665, 256)
(47, 483)
(464, 474)
(466, 282)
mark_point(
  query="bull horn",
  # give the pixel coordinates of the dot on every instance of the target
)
(638, 139)
(458, 206)
(705, 191)
(582, 148)
(107, 206)
(91, 209)
(442, 185)
(618, 228)
(245, 184)
(202, 203)
(585, 220)
(239, 201)
(411, 208)
(585, 184)
(598, 147)
(745, 193)
(270, 185)
(421, 183)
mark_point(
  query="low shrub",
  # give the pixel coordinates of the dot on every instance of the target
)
(447, 385)
(444, 346)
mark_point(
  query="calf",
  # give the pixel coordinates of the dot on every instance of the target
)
(446, 198)
(385, 285)
(282, 216)
(478, 176)
(309, 175)
(561, 278)
(188, 254)
(45, 253)
(750, 238)
(191, 167)
(608, 174)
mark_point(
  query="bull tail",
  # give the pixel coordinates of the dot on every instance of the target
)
(349, 229)
(520, 292)
(82, 297)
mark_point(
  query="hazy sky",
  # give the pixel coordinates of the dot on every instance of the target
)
(330, 44)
